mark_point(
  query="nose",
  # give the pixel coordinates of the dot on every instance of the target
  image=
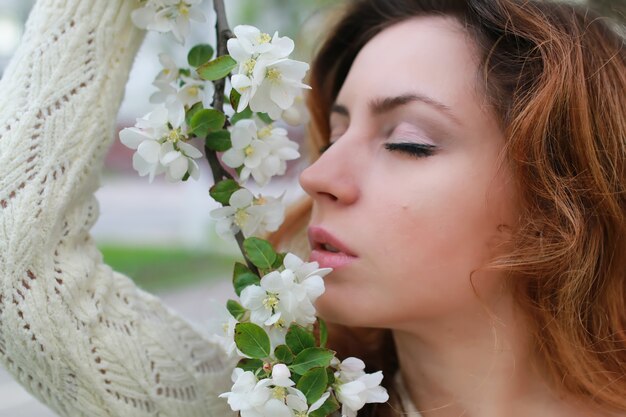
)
(333, 177)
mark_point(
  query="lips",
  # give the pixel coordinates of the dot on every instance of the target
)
(321, 241)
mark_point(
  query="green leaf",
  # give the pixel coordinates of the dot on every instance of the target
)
(284, 354)
(245, 114)
(330, 373)
(323, 329)
(330, 406)
(259, 252)
(207, 120)
(252, 365)
(200, 54)
(313, 384)
(295, 378)
(243, 277)
(217, 69)
(234, 98)
(280, 257)
(218, 141)
(235, 309)
(298, 338)
(252, 340)
(311, 358)
(265, 118)
(222, 191)
(193, 110)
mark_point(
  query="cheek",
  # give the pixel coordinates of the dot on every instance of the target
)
(443, 234)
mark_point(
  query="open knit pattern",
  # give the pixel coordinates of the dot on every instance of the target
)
(79, 336)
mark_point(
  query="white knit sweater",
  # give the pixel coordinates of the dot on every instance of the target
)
(79, 336)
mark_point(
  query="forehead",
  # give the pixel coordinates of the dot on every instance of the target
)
(432, 55)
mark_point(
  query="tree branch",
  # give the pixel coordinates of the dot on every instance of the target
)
(223, 35)
(219, 173)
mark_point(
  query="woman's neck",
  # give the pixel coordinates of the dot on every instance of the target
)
(479, 365)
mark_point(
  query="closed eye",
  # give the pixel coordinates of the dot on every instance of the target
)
(414, 149)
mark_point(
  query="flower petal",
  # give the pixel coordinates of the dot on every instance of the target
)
(233, 158)
(241, 198)
(133, 137)
(149, 151)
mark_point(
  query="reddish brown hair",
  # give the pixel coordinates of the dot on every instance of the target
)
(556, 77)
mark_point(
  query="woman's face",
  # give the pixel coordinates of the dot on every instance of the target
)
(413, 185)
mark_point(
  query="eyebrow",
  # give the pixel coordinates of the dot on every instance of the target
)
(387, 104)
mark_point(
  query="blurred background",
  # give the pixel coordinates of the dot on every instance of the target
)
(161, 234)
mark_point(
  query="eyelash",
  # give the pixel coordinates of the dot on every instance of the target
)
(419, 150)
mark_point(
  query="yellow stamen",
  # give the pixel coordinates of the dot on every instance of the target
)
(240, 217)
(273, 74)
(280, 393)
(249, 150)
(270, 302)
(193, 91)
(249, 66)
(174, 136)
(183, 9)
(265, 132)
(264, 38)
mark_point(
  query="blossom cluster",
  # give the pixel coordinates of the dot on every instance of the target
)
(275, 396)
(261, 150)
(285, 369)
(249, 214)
(180, 89)
(266, 78)
(290, 375)
(162, 137)
(161, 147)
(285, 297)
(168, 16)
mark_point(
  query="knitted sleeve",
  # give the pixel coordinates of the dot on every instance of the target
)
(79, 336)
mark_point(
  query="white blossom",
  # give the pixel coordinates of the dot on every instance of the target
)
(247, 150)
(354, 388)
(281, 150)
(249, 214)
(265, 78)
(168, 16)
(277, 84)
(222, 330)
(304, 270)
(178, 92)
(247, 394)
(351, 369)
(161, 147)
(170, 71)
(281, 376)
(265, 398)
(297, 114)
(281, 299)
(250, 43)
(261, 150)
(271, 210)
(298, 404)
